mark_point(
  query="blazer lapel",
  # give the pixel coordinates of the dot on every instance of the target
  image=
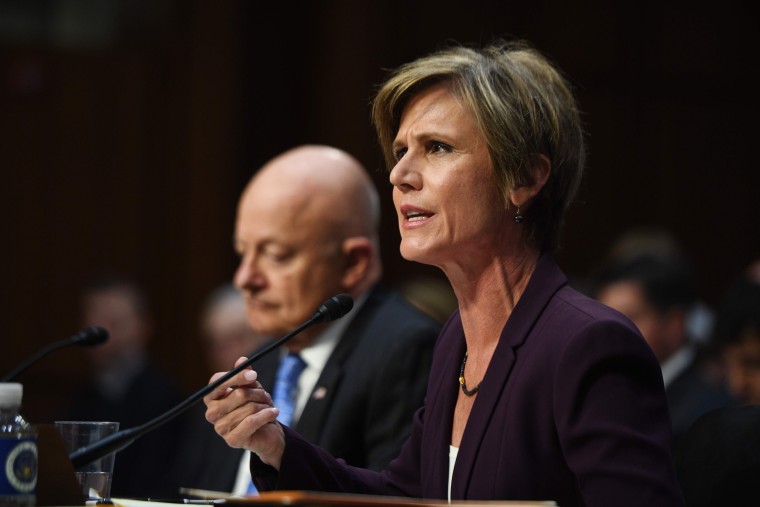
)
(546, 280)
(317, 408)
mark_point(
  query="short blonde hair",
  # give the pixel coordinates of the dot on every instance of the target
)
(522, 106)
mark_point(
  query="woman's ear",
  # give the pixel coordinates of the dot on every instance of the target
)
(540, 171)
(357, 252)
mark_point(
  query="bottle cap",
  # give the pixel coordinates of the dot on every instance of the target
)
(10, 394)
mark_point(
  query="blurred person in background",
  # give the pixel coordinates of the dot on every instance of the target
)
(718, 462)
(656, 291)
(737, 335)
(126, 386)
(659, 242)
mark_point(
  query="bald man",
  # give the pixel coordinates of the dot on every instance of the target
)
(306, 230)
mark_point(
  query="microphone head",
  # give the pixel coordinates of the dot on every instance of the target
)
(334, 308)
(90, 336)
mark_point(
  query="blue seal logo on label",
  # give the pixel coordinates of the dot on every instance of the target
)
(21, 467)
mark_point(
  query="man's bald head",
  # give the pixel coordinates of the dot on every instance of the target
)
(326, 182)
(307, 229)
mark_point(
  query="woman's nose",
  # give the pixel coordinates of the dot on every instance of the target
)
(404, 177)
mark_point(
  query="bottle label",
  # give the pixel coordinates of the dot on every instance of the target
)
(19, 466)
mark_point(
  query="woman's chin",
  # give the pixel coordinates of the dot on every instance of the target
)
(416, 253)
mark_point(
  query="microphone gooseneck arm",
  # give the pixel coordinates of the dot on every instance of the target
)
(87, 337)
(332, 309)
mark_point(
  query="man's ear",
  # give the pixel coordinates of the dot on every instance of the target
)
(540, 171)
(357, 252)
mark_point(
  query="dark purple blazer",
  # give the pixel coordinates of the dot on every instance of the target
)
(571, 409)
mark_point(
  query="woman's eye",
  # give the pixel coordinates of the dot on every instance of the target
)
(438, 147)
(400, 152)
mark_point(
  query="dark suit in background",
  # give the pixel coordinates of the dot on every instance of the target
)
(127, 387)
(369, 389)
(718, 461)
(657, 291)
(689, 396)
(139, 470)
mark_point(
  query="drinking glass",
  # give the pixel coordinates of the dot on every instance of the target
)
(95, 478)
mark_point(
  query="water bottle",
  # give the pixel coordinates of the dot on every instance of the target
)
(18, 451)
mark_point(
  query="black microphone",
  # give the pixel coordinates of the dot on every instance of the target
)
(87, 337)
(332, 309)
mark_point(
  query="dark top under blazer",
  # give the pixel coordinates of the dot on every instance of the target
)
(571, 409)
(368, 391)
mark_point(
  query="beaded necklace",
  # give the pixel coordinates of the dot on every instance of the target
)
(467, 392)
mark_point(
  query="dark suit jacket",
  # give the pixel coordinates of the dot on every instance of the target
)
(690, 395)
(571, 409)
(718, 461)
(371, 386)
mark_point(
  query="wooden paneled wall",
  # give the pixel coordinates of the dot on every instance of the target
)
(130, 156)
